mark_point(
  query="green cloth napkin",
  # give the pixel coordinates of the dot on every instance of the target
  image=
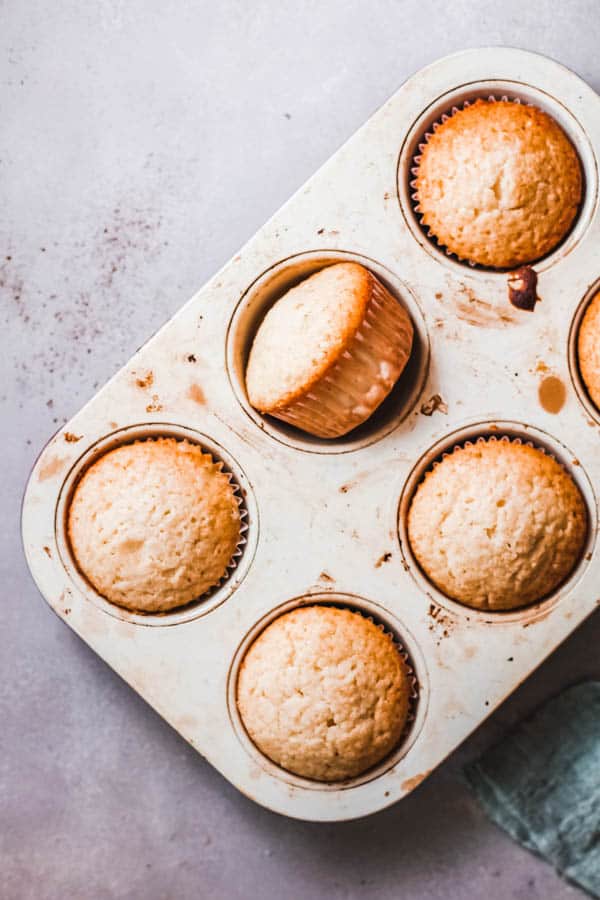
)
(542, 784)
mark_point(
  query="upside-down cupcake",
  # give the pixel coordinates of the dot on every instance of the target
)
(498, 183)
(497, 524)
(588, 349)
(324, 693)
(329, 351)
(155, 524)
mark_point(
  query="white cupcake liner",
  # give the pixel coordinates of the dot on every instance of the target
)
(242, 540)
(364, 375)
(220, 466)
(491, 98)
(490, 439)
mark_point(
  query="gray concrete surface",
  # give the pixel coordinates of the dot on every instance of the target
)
(142, 142)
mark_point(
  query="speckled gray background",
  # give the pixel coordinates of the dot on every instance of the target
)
(142, 142)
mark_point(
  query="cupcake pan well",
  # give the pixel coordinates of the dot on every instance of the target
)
(329, 511)
(576, 378)
(248, 511)
(495, 89)
(406, 646)
(513, 431)
(254, 305)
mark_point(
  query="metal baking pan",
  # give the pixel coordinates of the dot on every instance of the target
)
(326, 519)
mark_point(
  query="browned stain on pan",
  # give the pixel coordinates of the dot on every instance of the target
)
(349, 485)
(435, 402)
(325, 576)
(411, 783)
(155, 405)
(52, 467)
(440, 622)
(385, 557)
(144, 380)
(477, 312)
(438, 615)
(196, 394)
(71, 438)
(552, 394)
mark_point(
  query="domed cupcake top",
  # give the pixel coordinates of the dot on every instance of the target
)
(497, 524)
(155, 524)
(324, 693)
(498, 183)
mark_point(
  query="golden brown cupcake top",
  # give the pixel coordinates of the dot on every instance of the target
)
(324, 693)
(498, 183)
(588, 349)
(497, 524)
(154, 524)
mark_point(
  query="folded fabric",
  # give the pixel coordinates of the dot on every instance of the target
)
(542, 784)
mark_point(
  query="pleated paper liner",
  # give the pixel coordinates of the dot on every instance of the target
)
(361, 379)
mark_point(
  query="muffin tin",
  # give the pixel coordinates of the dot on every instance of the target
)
(326, 519)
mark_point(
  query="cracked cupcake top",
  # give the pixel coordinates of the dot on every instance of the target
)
(497, 524)
(498, 183)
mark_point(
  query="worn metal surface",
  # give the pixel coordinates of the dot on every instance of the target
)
(100, 798)
(341, 501)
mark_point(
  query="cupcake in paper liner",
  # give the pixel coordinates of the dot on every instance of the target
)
(497, 524)
(325, 693)
(588, 349)
(497, 183)
(156, 524)
(329, 351)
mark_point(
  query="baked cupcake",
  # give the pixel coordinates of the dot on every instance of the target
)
(329, 351)
(588, 349)
(155, 524)
(497, 524)
(324, 693)
(498, 183)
